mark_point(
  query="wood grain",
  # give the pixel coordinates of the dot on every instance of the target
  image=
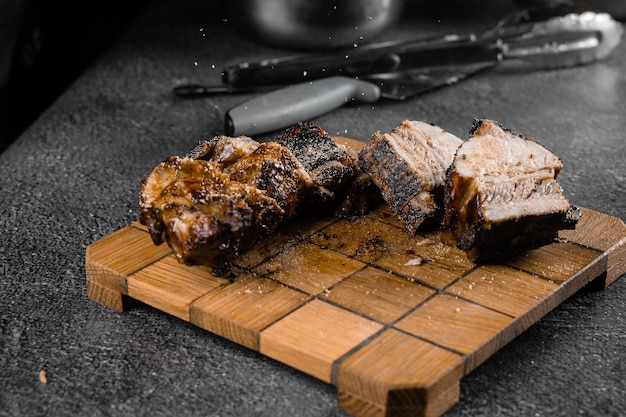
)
(378, 295)
(459, 325)
(396, 373)
(154, 286)
(428, 261)
(110, 260)
(593, 231)
(393, 321)
(240, 311)
(308, 341)
(309, 268)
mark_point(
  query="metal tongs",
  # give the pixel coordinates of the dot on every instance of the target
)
(536, 38)
(546, 37)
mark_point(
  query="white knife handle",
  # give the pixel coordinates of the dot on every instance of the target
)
(301, 102)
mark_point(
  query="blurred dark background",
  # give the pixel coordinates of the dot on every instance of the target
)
(45, 45)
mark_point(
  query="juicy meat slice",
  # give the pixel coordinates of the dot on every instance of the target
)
(501, 195)
(224, 150)
(329, 165)
(409, 167)
(272, 168)
(204, 216)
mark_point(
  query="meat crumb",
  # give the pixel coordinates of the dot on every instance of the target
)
(420, 260)
(415, 261)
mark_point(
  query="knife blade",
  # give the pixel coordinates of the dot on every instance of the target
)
(289, 105)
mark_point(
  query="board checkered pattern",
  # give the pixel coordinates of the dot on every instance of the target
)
(393, 321)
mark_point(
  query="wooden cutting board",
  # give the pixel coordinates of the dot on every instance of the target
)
(394, 322)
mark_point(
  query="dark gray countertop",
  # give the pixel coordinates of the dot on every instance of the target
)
(73, 176)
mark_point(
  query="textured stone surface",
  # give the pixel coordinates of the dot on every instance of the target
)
(73, 176)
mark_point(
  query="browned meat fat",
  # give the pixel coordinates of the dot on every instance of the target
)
(272, 168)
(501, 195)
(229, 193)
(204, 216)
(359, 195)
(329, 166)
(224, 150)
(409, 167)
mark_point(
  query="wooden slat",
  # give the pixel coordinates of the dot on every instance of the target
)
(374, 239)
(110, 260)
(459, 325)
(265, 250)
(241, 310)
(517, 294)
(306, 340)
(171, 287)
(604, 233)
(309, 268)
(124, 252)
(396, 374)
(558, 261)
(503, 289)
(438, 404)
(428, 261)
(384, 214)
(378, 295)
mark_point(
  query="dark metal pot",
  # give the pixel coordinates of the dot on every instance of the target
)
(313, 24)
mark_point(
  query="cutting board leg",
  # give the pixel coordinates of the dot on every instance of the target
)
(108, 297)
(110, 260)
(432, 406)
(396, 375)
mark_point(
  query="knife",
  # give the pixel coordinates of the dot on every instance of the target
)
(290, 105)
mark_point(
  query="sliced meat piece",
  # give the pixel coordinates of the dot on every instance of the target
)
(204, 216)
(224, 150)
(329, 165)
(501, 195)
(272, 168)
(409, 167)
(360, 194)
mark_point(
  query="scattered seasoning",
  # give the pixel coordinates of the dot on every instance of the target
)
(43, 378)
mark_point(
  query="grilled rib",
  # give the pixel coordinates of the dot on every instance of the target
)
(501, 195)
(409, 164)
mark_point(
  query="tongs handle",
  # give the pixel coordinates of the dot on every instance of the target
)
(299, 68)
(563, 41)
(369, 59)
